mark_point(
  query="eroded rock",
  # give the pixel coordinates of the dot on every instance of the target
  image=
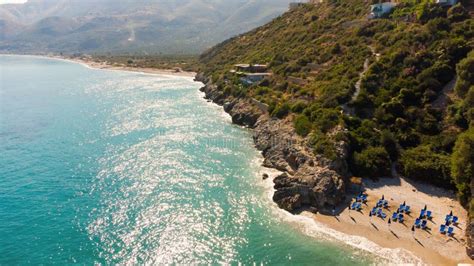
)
(308, 180)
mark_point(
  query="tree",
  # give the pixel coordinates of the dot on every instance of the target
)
(423, 163)
(389, 141)
(372, 162)
(465, 70)
(462, 164)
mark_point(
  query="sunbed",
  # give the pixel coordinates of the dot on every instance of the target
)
(442, 229)
(450, 231)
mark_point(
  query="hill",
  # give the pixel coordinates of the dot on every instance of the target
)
(397, 91)
(126, 26)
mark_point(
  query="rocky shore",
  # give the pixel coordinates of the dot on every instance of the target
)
(308, 181)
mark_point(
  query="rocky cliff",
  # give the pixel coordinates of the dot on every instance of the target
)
(307, 181)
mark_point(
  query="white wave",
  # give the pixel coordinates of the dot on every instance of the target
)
(310, 227)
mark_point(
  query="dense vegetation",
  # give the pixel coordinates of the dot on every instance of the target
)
(415, 106)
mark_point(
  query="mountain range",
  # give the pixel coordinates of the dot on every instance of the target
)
(129, 26)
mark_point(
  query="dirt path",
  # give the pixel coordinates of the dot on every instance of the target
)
(345, 107)
(443, 99)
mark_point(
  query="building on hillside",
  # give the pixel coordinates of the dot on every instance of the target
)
(250, 73)
(242, 68)
(251, 78)
(248, 68)
(381, 9)
(295, 5)
(446, 2)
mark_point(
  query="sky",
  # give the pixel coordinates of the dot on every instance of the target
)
(12, 1)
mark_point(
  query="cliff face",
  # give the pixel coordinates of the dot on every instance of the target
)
(308, 180)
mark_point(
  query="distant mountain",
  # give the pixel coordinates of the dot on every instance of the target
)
(137, 26)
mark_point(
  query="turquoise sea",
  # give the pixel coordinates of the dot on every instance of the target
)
(105, 167)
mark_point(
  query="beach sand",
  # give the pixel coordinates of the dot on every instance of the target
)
(428, 245)
(105, 65)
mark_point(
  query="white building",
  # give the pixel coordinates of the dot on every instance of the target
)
(250, 78)
(378, 10)
(447, 2)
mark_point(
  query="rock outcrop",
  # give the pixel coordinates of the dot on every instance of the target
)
(470, 239)
(307, 180)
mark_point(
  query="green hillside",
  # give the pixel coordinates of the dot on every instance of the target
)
(415, 106)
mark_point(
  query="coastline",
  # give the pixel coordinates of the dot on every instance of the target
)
(428, 245)
(355, 230)
(106, 66)
(396, 243)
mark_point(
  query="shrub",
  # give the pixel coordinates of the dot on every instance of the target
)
(261, 90)
(326, 119)
(457, 13)
(438, 24)
(389, 141)
(298, 106)
(302, 125)
(465, 70)
(372, 162)
(323, 145)
(423, 163)
(462, 164)
(439, 71)
(281, 110)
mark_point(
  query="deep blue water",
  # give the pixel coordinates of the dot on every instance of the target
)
(115, 167)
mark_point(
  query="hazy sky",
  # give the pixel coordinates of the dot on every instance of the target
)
(12, 1)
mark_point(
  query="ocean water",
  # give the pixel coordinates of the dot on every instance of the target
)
(116, 167)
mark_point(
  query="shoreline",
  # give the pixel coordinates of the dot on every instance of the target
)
(395, 244)
(307, 223)
(355, 229)
(428, 245)
(106, 66)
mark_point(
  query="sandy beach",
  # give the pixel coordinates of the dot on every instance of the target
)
(428, 245)
(107, 66)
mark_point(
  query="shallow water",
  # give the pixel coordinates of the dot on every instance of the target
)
(116, 167)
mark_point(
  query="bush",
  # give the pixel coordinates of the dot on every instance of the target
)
(299, 106)
(302, 125)
(462, 164)
(326, 119)
(465, 70)
(323, 145)
(439, 71)
(457, 13)
(262, 90)
(281, 110)
(438, 24)
(389, 141)
(424, 164)
(372, 162)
